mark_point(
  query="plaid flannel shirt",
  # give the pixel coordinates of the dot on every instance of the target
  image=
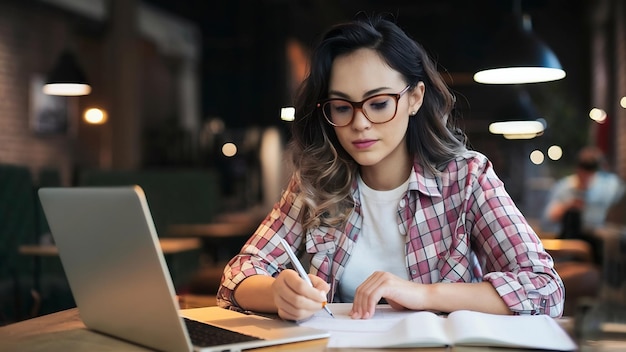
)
(460, 226)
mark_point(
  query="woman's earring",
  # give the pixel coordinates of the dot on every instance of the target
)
(413, 113)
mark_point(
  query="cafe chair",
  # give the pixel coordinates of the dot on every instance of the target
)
(17, 226)
(574, 262)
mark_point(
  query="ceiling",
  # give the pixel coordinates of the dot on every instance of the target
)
(243, 42)
(456, 32)
(238, 44)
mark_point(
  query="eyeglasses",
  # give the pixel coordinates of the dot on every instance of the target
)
(379, 108)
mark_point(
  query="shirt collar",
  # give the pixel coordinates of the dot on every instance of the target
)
(420, 179)
(424, 181)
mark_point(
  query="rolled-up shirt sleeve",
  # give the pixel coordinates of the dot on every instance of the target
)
(516, 264)
(261, 254)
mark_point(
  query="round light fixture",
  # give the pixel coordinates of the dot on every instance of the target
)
(517, 129)
(521, 57)
(66, 78)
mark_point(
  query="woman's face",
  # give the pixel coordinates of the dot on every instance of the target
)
(356, 77)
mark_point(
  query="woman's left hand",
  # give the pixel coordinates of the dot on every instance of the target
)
(399, 293)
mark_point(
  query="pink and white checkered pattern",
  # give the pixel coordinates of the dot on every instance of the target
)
(460, 226)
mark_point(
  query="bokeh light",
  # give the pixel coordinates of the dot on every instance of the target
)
(555, 152)
(598, 115)
(95, 116)
(229, 149)
(288, 113)
(537, 157)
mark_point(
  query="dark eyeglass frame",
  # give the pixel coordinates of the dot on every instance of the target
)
(359, 105)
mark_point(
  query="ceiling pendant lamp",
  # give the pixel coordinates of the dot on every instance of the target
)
(67, 77)
(517, 118)
(520, 57)
(523, 129)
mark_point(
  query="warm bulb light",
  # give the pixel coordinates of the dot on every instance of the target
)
(520, 135)
(517, 128)
(555, 152)
(229, 149)
(518, 75)
(536, 157)
(216, 126)
(598, 115)
(95, 116)
(67, 89)
(288, 113)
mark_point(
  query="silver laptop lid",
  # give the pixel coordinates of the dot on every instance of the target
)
(112, 259)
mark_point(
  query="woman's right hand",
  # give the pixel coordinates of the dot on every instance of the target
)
(295, 298)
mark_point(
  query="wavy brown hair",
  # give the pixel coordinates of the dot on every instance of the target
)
(324, 171)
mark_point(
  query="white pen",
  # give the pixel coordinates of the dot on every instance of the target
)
(303, 274)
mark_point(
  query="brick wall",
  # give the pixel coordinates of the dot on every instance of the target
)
(30, 36)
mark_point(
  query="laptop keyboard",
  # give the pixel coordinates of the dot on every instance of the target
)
(203, 334)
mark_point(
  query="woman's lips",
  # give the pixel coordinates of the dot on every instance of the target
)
(364, 143)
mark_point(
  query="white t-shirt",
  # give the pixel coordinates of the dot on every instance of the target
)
(380, 246)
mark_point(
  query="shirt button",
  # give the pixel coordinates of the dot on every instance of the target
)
(402, 202)
(413, 272)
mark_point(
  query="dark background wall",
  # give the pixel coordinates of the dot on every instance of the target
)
(245, 72)
(244, 76)
(243, 44)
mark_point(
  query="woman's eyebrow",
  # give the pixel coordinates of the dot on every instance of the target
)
(365, 95)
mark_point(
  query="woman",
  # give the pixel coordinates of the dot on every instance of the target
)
(386, 203)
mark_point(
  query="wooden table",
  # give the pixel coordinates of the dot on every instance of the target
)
(168, 246)
(220, 240)
(225, 225)
(64, 331)
(213, 230)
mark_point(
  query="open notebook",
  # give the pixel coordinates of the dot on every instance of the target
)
(390, 328)
(121, 284)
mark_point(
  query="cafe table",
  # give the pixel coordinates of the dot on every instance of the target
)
(64, 331)
(169, 246)
(220, 240)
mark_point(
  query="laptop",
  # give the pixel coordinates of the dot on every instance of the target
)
(122, 287)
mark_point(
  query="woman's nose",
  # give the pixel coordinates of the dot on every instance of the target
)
(359, 120)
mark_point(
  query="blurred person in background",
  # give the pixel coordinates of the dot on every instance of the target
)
(579, 203)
